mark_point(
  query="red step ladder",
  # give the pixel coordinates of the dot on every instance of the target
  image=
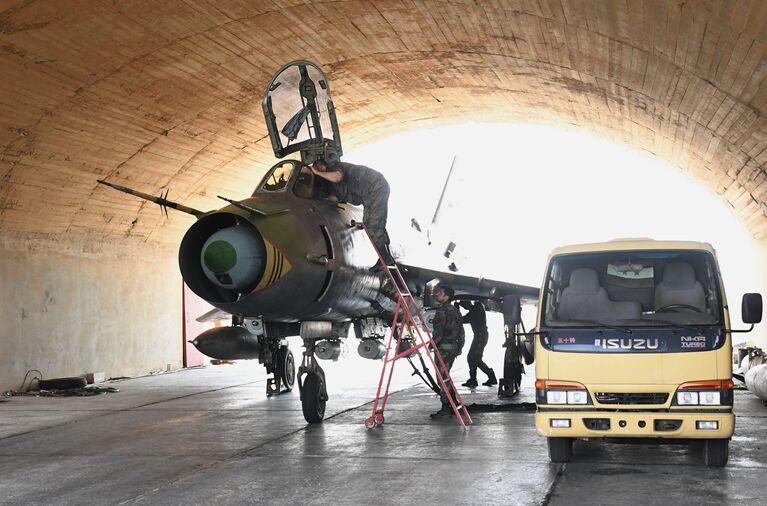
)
(413, 321)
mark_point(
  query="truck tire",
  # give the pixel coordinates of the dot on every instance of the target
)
(560, 449)
(716, 452)
(62, 383)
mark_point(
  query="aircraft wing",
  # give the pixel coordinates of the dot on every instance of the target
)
(467, 286)
(213, 315)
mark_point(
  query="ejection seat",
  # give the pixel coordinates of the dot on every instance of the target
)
(585, 299)
(680, 289)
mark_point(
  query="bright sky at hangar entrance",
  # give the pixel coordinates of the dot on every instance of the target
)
(519, 190)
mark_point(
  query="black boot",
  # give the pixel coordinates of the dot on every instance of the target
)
(445, 412)
(491, 379)
(471, 383)
(387, 258)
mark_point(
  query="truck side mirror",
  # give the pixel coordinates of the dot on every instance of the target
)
(512, 311)
(751, 308)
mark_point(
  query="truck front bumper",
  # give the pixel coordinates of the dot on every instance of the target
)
(673, 425)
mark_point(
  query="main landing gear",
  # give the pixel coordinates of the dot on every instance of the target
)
(284, 370)
(314, 394)
(513, 369)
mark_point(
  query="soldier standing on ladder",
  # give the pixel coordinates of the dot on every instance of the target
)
(448, 335)
(360, 185)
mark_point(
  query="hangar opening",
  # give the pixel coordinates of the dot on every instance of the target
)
(167, 99)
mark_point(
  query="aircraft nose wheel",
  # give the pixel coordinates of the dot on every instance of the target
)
(313, 398)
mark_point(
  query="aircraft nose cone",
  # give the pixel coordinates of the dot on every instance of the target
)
(234, 258)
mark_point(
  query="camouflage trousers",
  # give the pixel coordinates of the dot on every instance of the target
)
(375, 212)
(474, 357)
(448, 358)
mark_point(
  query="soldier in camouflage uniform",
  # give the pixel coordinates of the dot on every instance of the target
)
(477, 318)
(449, 337)
(360, 185)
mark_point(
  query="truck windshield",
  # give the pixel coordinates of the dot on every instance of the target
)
(630, 289)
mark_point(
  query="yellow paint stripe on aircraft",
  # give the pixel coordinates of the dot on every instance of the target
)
(277, 266)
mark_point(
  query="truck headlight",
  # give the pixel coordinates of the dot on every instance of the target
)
(687, 398)
(556, 397)
(561, 392)
(710, 398)
(577, 397)
(704, 393)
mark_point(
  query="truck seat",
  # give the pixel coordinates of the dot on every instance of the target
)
(679, 286)
(585, 299)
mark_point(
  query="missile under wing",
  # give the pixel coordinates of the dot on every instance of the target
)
(287, 261)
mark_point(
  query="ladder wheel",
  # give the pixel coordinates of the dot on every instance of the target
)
(370, 423)
(379, 418)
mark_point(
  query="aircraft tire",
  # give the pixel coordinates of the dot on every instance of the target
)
(560, 449)
(716, 452)
(312, 403)
(285, 367)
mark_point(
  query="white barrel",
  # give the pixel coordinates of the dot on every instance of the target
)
(372, 349)
(756, 381)
(328, 350)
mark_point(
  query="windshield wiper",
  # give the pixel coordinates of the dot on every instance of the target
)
(673, 324)
(600, 324)
(677, 324)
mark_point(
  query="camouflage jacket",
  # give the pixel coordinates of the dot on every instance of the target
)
(358, 182)
(477, 318)
(448, 329)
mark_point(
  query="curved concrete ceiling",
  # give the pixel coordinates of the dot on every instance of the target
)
(159, 95)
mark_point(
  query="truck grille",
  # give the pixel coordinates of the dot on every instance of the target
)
(633, 398)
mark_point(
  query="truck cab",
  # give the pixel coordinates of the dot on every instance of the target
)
(634, 341)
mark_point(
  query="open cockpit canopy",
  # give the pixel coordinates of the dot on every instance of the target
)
(299, 113)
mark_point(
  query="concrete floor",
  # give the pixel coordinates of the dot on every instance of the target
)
(211, 436)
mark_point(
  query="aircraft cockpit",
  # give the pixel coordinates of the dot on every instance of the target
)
(296, 176)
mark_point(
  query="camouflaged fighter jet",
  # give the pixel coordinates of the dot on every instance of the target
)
(287, 261)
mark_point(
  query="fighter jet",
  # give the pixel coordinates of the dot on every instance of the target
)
(288, 261)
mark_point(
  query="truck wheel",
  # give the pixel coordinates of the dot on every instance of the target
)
(560, 449)
(716, 452)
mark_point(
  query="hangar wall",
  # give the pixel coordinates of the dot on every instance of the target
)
(67, 308)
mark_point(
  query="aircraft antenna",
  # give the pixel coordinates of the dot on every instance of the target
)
(444, 190)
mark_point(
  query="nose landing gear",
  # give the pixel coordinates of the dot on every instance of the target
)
(313, 390)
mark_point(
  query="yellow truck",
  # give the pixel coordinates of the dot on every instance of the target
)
(633, 340)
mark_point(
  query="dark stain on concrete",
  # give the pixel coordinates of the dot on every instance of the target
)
(618, 471)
